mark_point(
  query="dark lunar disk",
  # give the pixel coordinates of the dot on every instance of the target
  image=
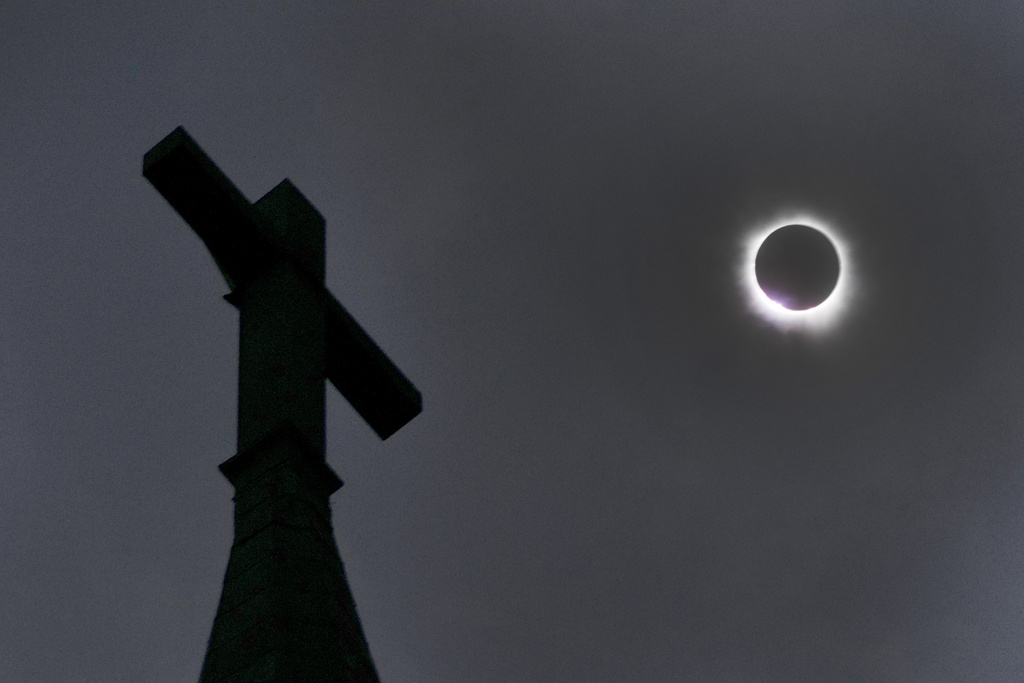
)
(797, 267)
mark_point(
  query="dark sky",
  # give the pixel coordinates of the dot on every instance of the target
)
(621, 473)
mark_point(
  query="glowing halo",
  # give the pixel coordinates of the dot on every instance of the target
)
(818, 320)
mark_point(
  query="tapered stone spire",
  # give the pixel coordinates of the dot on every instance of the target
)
(286, 612)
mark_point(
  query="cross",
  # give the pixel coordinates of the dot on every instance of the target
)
(280, 232)
(293, 334)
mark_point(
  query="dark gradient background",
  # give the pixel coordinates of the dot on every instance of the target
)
(536, 208)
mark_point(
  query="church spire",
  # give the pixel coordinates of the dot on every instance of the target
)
(286, 613)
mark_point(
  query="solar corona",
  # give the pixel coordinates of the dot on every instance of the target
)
(795, 274)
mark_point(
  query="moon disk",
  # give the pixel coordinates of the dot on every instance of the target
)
(797, 267)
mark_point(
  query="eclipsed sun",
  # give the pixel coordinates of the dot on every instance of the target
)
(796, 274)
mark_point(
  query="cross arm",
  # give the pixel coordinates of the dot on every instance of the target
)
(220, 214)
(365, 376)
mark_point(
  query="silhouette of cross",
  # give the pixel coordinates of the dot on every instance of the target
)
(294, 333)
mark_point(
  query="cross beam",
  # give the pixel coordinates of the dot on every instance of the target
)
(246, 240)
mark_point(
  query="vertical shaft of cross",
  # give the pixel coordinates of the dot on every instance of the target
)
(286, 613)
(282, 336)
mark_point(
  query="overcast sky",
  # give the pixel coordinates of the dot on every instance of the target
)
(538, 209)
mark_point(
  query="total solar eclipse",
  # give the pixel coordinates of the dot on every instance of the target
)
(798, 273)
(797, 267)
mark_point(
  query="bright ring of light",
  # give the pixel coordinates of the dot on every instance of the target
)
(817, 320)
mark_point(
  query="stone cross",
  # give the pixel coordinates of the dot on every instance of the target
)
(286, 612)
